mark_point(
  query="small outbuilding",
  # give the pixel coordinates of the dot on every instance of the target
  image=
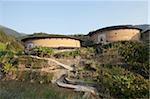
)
(115, 33)
(52, 41)
(145, 34)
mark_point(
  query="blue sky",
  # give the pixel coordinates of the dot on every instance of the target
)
(70, 17)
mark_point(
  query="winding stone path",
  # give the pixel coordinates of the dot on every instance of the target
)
(62, 80)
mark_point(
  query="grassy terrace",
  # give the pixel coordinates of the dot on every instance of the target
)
(27, 90)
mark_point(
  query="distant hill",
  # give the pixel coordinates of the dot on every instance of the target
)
(8, 42)
(11, 31)
(143, 26)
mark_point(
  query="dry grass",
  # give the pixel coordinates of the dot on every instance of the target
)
(27, 90)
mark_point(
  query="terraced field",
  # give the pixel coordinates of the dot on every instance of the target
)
(28, 90)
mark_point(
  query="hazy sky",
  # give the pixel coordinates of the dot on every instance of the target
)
(70, 17)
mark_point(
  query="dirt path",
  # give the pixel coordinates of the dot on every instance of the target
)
(58, 63)
(60, 78)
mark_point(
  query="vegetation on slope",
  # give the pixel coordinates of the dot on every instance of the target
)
(122, 68)
(2, 46)
(8, 42)
(135, 56)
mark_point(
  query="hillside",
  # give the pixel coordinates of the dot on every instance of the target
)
(8, 42)
(11, 31)
(118, 70)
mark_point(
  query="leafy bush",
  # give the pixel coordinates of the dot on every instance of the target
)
(90, 65)
(2, 46)
(87, 52)
(123, 83)
(6, 53)
(32, 63)
(8, 68)
(132, 51)
(42, 51)
(6, 56)
(68, 54)
(142, 69)
(134, 54)
(8, 63)
(10, 42)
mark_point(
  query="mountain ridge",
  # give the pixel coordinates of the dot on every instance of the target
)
(11, 32)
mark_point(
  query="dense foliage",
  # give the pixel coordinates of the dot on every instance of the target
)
(67, 54)
(122, 83)
(8, 63)
(49, 52)
(42, 51)
(132, 51)
(127, 77)
(135, 56)
(2, 46)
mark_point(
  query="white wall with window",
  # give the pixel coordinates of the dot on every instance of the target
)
(102, 38)
(30, 45)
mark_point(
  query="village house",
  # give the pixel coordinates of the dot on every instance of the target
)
(145, 34)
(115, 33)
(52, 41)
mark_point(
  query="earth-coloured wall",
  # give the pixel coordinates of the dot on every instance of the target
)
(53, 42)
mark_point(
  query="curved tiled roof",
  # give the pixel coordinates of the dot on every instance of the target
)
(46, 36)
(114, 27)
(146, 30)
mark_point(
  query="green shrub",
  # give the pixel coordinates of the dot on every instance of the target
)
(7, 57)
(6, 53)
(9, 68)
(134, 54)
(20, 53)
(42, 51)
(2, 46)
(88, 52)
(68, 54)
(132, 51)
(10, 42)
(90, 66)
(123, 83)
(142, 69)
(32, 63)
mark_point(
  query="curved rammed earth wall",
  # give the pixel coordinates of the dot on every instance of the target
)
(55, 42)
(118, 35)
(123, 34)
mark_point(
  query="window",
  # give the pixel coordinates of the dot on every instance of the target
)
(30, 45)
